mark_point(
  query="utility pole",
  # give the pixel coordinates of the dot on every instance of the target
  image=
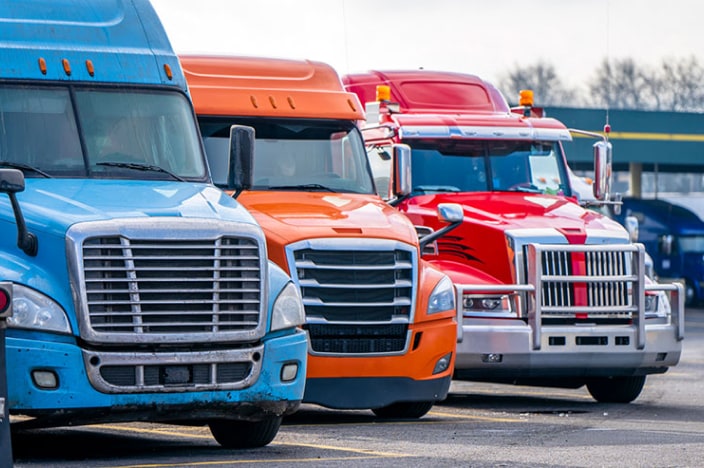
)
(5, 436)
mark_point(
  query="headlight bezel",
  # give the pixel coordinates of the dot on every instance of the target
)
(288, 310)
(442, 299)
(490, 305)
(33, 310)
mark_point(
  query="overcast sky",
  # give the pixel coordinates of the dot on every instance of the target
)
(482, 37)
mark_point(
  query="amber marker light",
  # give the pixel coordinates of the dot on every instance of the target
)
(67, 66)
(383, 93)
(42, 66)
(89, 67)
(169, 73)
(525, 97)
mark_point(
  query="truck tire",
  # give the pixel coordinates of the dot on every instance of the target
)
(244, 434)
(404, 410)
(616, 389)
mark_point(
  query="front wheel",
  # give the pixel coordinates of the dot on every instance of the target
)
(244, 434)
(616, 389)
(404, 410)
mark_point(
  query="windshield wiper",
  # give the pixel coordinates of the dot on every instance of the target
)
(524, 187)
(142, 167)
(24, 167)
(304, 187)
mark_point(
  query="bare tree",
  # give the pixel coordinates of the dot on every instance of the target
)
(543, 80)
(676, 85)
(623, 84)
(682, 85)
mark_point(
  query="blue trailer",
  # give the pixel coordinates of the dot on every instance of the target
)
(674, 237)
(141, 292)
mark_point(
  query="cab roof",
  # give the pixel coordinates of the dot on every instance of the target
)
(424, 91)
(267, 87)
(448, 104)
(122, 41)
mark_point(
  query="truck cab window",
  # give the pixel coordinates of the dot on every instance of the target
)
(295, 155)
(142, 128)
(38, 129)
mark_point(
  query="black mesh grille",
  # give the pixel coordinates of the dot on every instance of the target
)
(157, 376)
(352, 339)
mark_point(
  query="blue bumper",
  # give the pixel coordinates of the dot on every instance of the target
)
(75, 398)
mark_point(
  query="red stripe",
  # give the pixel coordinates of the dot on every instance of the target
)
(580, 289)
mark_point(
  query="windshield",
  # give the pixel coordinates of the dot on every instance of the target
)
(89, 132)
(309, 155)
(691, 244)
(480, 166)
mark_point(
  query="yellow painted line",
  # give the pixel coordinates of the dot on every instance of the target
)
(359, 454)
(474, 418)
(342, 449)
(683, 137)
(153, 431)
(523, 392)
(248, 461)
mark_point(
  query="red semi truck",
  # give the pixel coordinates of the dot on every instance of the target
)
(552, 293)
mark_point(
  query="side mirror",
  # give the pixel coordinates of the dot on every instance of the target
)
(452, 213)
(402, 183)
(602, 170)
(11, 182)
(240, 169)
(666, 243)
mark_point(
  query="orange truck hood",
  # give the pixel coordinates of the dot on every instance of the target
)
(288, 217)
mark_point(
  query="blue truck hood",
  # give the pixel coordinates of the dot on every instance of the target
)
(55, 204)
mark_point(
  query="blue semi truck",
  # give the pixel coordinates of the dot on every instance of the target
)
(141, 292)
(674, 237)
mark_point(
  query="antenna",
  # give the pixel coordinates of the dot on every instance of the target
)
(344, 35)
(608, 63)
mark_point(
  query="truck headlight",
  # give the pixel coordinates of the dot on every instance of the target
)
(499, 305)
(33, 310)
(656, 305)
(288, 309)
(442, 297)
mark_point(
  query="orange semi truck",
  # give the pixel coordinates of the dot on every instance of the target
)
(382, 322)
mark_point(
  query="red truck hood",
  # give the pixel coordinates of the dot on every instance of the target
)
(481, 243)
(288, 217)
(517, 210)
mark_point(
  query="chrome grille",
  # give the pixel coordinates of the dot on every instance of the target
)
(595, 280)
(169, 280)
(156, 287)
(351, 288)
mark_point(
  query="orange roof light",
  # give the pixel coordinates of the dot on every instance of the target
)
(67, 66)
(42, 65)
(525, 97)
(383, 93)
(89, 67)
(169, 73)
